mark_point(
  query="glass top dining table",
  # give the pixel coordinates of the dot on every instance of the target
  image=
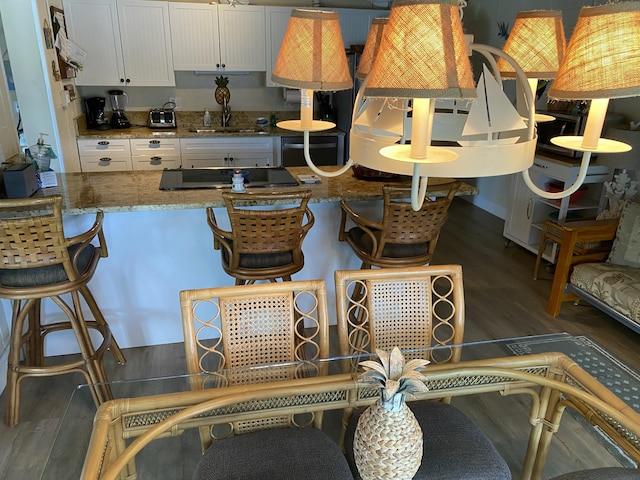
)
(505, 418)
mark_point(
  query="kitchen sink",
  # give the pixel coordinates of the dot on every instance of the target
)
(220, 177)
(225, 130)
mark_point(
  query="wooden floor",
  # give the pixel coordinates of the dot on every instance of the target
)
(502, 301)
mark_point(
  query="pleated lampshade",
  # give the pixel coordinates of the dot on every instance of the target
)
(422, 53)
(312, 54)
(537, 43)
(603, 56)
(371, 47)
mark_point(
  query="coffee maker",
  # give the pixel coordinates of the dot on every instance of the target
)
(118, 101)
(94, 112)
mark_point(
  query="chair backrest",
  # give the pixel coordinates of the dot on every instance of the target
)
(31, 232)
(410, 307)
(249, 325)
(268, 230)
(402, 224)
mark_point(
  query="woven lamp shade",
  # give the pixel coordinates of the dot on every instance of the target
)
(422, 53)
(312, 54)
(537, 44)
(603, 56)
(371, 47)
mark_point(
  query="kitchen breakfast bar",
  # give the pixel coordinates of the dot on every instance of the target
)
(159, 243)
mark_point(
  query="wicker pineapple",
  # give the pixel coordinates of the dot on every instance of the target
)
(222, 91)
(388, 438)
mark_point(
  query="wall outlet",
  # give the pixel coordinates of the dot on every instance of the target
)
(177, 101)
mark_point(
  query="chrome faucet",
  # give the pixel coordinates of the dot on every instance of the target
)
(226, 112)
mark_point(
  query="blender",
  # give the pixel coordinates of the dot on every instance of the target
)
(118, 100)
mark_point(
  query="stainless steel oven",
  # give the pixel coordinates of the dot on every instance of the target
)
(324, 150)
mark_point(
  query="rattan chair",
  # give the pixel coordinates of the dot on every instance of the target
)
(39, 262)
(262, 324)
(412, 308)
(404, 237)
(263, 243)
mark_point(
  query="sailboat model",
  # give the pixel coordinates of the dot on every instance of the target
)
(491, 115)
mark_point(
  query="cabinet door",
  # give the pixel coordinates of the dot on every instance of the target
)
(242, 38)
(93, 26)
(277, 22)
(194, 36)
(519, 220)
(243, 159)
(146, 43)
(355, 24)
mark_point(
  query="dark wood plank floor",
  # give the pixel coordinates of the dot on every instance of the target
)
(502, 300)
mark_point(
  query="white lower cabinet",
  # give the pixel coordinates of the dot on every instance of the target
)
(155, 153)
(227, 152)
(527, 211)
(102, 155)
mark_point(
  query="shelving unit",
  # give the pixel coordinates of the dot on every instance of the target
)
(527, 211)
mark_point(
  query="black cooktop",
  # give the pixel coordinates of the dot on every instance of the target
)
(255, 177)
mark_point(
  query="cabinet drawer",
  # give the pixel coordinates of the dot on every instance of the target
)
(101, 146)
(155, 162)
(105, 163)
(155, 146)
(227, 145)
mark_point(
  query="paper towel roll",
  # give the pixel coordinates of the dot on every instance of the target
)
(291, 95)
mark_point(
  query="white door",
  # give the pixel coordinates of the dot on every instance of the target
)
(93, 26)
(194, 36)
(145, 36)
(242, 38)
(8, 133)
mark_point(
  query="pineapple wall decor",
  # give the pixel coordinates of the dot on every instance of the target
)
(388, 438)
(222, 91)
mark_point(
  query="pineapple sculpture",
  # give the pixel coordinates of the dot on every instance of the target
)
(388, 438)
(222, 91)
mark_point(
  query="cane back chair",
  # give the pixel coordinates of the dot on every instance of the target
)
(404, 237)
(413, 308)
(261, 324)
(264, 243)
(39, 262)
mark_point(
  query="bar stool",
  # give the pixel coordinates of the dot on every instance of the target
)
(263, 243)
(404, 237)
(39, 262)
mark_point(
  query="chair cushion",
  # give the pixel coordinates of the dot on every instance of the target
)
(626, 246)
(274, 454)
(262, 260)
(37, 276)
(608, 473)
(616, 285)
(390, 250)
(454, 447)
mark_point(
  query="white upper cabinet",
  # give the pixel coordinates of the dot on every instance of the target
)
(128, 42)
(218, 37)
(354, 25)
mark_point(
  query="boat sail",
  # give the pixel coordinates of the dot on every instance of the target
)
(491, 114)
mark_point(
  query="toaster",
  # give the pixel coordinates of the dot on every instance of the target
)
(160, 118)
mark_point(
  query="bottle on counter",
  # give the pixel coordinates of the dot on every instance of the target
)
(274, 120)
(207, 118)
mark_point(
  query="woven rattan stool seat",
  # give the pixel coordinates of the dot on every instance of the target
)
(263, 243)
(38, 262)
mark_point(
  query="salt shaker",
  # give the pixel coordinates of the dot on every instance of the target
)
(238, 181)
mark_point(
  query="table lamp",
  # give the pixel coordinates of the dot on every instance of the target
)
(537, 44)
(423, 57)
(312, 58)
(602, 61)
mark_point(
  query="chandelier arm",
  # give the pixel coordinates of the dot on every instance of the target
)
(318, 171)
(488, 52)
(418, 188)
(582, 174)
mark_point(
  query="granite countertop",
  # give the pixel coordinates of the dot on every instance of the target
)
(138, 191)
(187, 121)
